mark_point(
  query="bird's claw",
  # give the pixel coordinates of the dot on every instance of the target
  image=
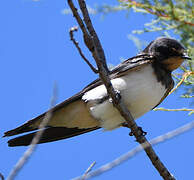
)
(117, 97)
(141, 133)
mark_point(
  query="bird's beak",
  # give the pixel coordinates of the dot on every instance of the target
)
(185, 56)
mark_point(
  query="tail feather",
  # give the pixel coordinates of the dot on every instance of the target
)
(21, 129)
(50, 134)
(26, 127)
(33, 124)
(69, 118)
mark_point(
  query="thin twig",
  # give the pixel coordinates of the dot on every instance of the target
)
(71, 31)
(27, 154)
(78, 18)
(164, 109)
(88, 170)
(159, 13)
(87, 38)
(135, 151)
(184, 77)
(99, 57)
(1, 176)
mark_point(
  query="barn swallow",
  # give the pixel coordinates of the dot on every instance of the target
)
(143, 81)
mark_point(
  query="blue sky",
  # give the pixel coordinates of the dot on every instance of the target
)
(35, 51)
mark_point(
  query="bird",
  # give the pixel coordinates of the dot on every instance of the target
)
(143, 82)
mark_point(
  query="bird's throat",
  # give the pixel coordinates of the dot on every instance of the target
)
(172, 63)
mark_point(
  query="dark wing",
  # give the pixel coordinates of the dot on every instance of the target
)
(28, 126)
(49, 135)
(53, 133)
(127, 65)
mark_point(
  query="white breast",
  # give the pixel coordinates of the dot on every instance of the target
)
(140, 91)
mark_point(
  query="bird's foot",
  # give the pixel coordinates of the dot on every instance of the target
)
(141, 133)
(125, 125)
(118, 96)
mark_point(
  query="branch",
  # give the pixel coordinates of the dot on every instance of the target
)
(182, 109)
(158, 13)
(135, 151)
(71, 31)
(184, 77)
(88, 170)
(35, 140)
(191, 111)
(98, 54)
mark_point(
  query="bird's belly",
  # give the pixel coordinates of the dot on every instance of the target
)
(139, 90)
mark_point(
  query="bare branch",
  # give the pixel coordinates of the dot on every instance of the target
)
(88, 170)
(98, 54)
(153, 10)
(86, 36)
(182, 109)
(35, 140)
(71, 31)
(184, 77)
(138, 149)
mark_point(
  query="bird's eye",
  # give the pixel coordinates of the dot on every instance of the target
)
(178, 51)
(168, 51)
(175, 50)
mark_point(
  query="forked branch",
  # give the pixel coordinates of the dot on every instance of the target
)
(93, 43)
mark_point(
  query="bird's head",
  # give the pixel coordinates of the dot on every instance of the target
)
(168, 52)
